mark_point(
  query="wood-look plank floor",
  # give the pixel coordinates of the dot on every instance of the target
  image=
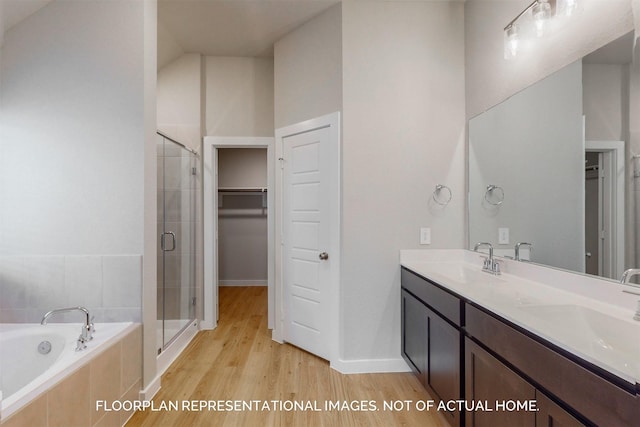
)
(239, 361)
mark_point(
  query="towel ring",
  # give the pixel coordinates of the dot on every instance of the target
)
(490, 189)
(437, 191)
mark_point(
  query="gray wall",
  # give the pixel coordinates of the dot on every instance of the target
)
(308, 70)
(403, 133)
(72, 161)
(72, 131)
(606, 104)
(238, 96)
(396, 71)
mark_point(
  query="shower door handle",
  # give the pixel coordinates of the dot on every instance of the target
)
(173, 241)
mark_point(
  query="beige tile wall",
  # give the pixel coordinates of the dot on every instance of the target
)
(114, 374)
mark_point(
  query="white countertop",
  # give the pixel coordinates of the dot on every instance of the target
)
(587, 316)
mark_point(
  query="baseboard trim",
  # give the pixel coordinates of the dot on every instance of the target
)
(242, 282)
(206, 325)
(149, 391)
(370, 366)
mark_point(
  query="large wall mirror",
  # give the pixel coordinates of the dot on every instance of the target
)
(554, 166)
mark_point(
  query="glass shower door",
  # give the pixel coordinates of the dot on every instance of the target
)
(176, 227)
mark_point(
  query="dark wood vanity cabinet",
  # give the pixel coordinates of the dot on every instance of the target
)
(415, 334)
(430, 341)
(488, 380)
(552, 415)
(576, 385)
(463, 352)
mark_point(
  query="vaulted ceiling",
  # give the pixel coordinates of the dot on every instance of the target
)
(229, 27)
(209, 27)
(14, 11)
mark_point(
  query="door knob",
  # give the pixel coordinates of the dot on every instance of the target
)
(323, 256)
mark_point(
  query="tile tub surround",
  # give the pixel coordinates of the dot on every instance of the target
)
(110, 286)
(113, 374)
(523, 287)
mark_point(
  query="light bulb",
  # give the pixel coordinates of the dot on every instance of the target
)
(567, 7)
(511, 41)
(541, 12)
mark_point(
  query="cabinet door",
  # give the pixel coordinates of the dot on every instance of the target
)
(415, 324)
(443, 373)
(552, 415)
(487, 379)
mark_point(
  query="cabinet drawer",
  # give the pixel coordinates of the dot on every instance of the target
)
(596, 398)
(441, 301)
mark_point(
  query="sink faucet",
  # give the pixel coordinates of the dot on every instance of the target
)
(490, 265)
(518, 246)
(628, 274)
(626, 280)
(87, 329)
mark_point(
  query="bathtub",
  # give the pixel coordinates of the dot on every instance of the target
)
(35, 357)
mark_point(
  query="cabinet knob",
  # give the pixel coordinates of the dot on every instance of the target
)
(323, 256)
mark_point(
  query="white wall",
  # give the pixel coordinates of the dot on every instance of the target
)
(491, 79)
(72, 131)
(532, 146)
(308, 70)
(178, 100)
(403, 133)
(239, 96)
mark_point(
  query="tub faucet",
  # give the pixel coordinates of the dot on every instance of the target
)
(490, 265)
(87, 329)
(518, 246)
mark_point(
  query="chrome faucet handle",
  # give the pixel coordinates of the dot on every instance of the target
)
(517, 250)
(495, 268)
(487, 263)
(637, 315)
(80, 344)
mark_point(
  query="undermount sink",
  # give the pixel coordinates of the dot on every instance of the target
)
(593, 332)
(461, 273)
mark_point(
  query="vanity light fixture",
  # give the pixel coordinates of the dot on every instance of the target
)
(511, 41)
(566, 7)
(541, 13)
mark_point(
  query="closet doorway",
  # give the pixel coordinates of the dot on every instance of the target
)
(238, 218)
(242, 217)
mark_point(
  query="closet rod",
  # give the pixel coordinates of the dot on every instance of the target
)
(242, 190)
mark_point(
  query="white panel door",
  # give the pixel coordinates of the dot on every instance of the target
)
(306, 241)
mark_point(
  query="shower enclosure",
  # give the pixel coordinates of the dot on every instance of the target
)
(177, 186)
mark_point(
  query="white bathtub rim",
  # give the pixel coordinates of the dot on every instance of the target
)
(31, 391)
